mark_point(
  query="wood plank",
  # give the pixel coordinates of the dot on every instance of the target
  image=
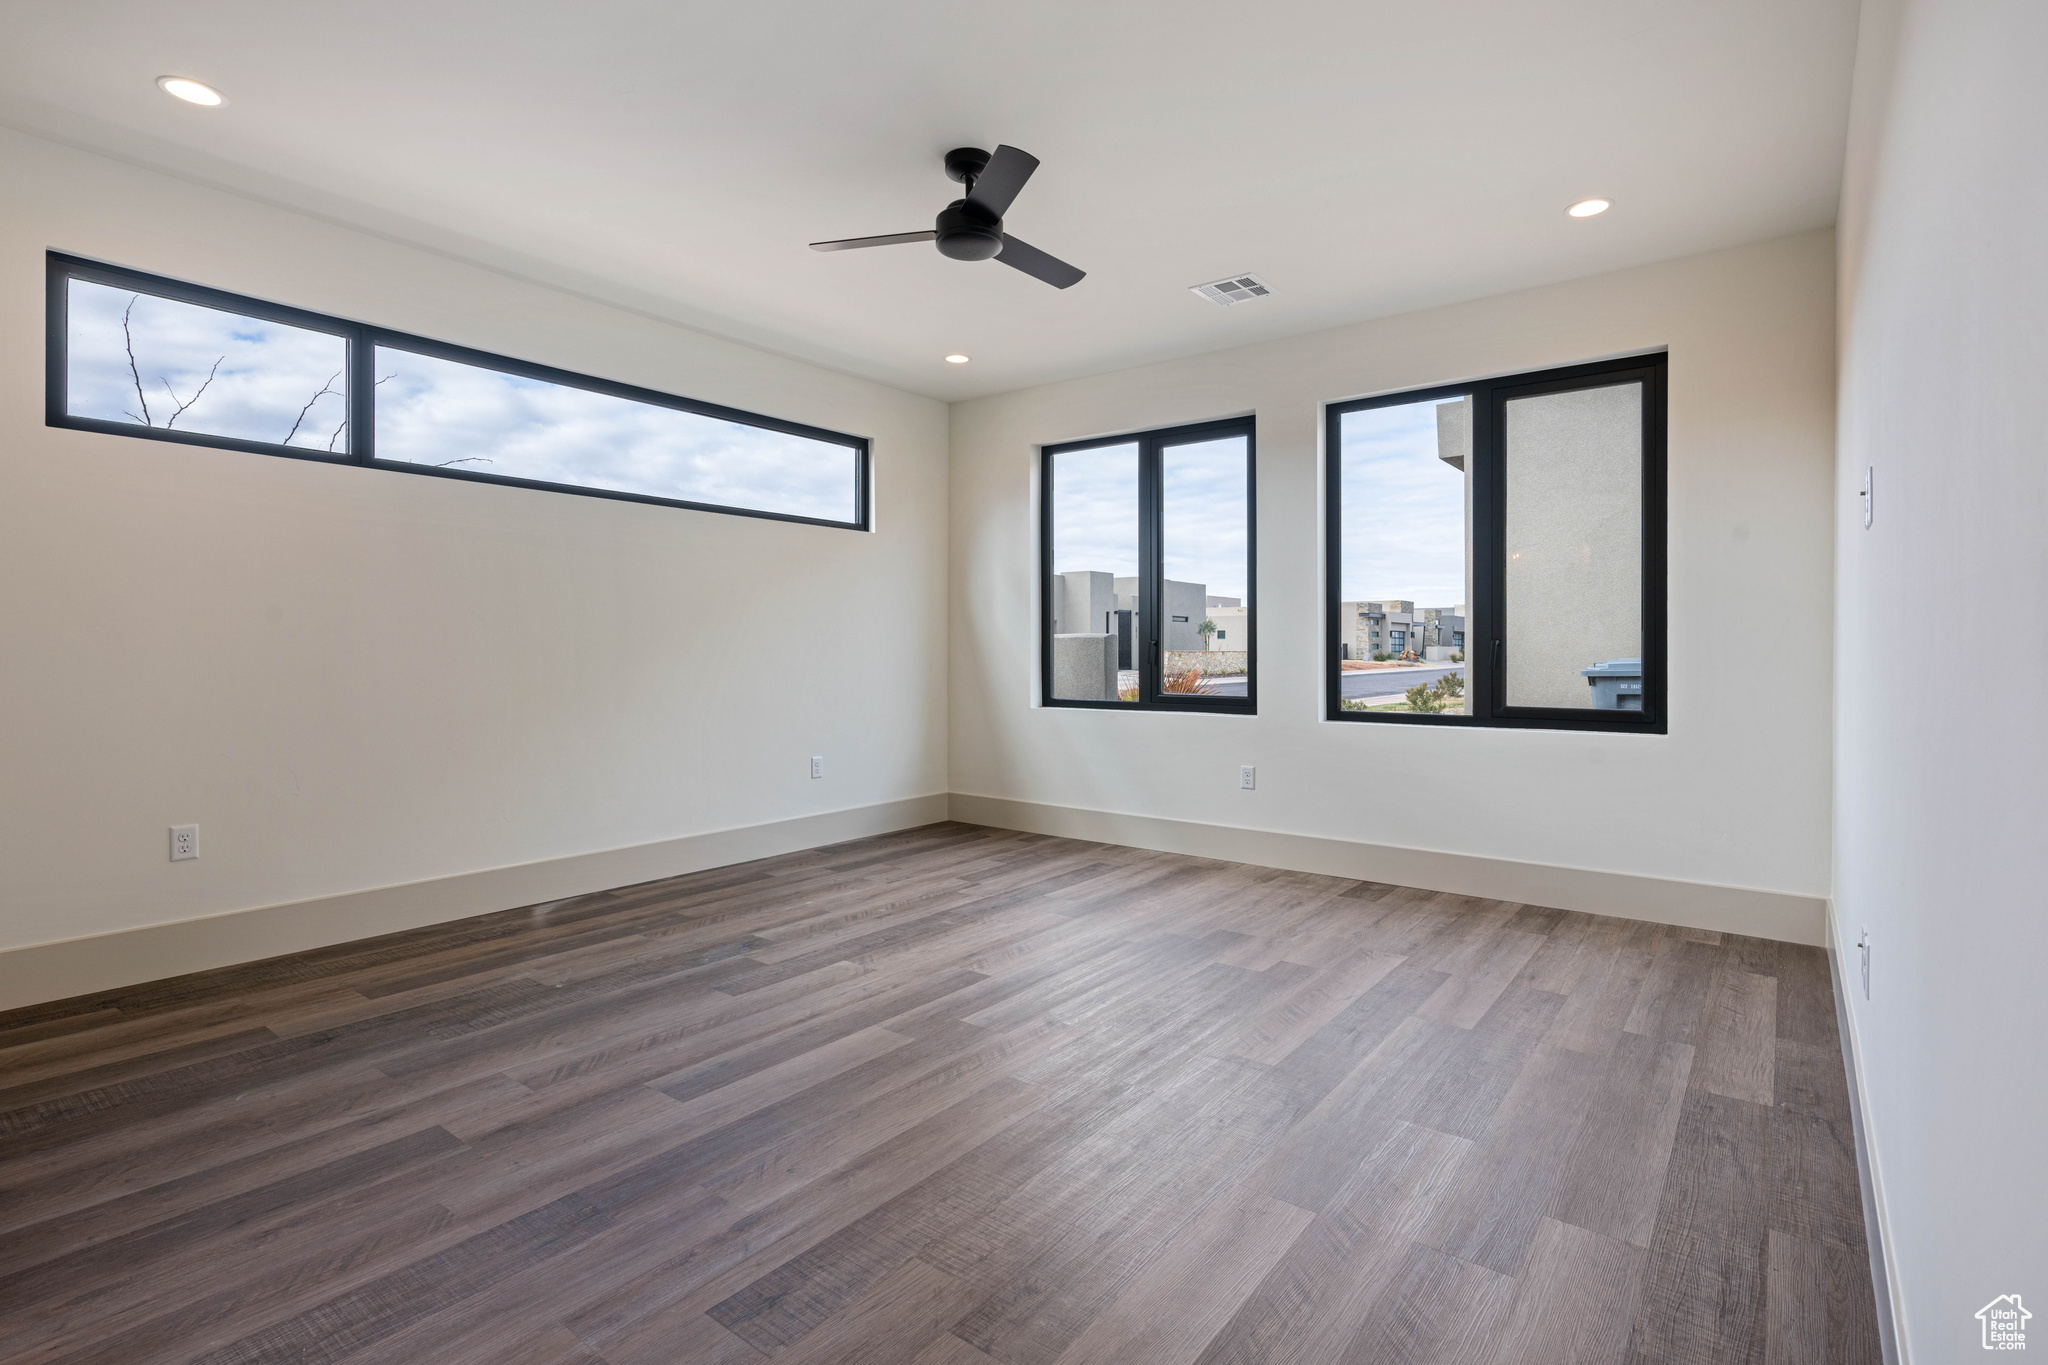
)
(1492, 1216)
(1169, 1313)
(1738, 1049)
(1613, 1180)
(1597, 1010)
(1291, 1021)
(1795, 1301)
(1851, 1307)
(1466, 1090)
(1673, 998)
(1439, 1310)
(1475, 985)
(1575, 1301)
(1703, 1289)
(1314, 1302)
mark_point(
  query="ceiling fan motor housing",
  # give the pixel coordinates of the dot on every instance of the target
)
(968, 232)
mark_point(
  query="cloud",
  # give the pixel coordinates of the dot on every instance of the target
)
(1204, 524)
(1204, 505)
(1403, 509)
(434, 411)
(1095, 510)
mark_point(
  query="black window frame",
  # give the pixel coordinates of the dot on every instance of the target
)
(1151, 567)
(362, 340)
(1486, 679)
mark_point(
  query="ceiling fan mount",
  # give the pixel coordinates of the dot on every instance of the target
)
(971, 228)
(963, 164)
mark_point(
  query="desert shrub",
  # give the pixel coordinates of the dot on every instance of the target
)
(1186, 680)
(1451, 685)
(1381, 658)
(1422, 697)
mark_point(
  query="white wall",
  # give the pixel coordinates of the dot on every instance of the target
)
(353, 679)
(1940, 843)
(1736, 795)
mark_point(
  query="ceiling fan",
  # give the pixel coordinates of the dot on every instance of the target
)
(971, 229)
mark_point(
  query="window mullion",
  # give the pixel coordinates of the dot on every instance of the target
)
(1151, 570)
(362, 395)
(1486, 642)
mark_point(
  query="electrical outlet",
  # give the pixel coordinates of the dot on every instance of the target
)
(1248, 777)
(184, 842)
(817, 765)
(1864, 944)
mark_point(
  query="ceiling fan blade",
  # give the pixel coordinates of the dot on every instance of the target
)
(1039, 266)
(1000, 180)
(849, 243)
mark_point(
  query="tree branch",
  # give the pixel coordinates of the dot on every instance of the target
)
(129, 336)
(325, 389)
(173, 419)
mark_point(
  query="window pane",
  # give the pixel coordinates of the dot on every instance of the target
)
(451, 415)
(1405, 574)
(1205, 509)
(1575, 549)
(1094, 587)
(158, 362)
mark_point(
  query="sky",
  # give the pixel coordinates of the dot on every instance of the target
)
(223, 374)
(433, 411)
(1095, 512)
(1403, 509)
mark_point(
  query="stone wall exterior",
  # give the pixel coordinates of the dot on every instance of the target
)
(1208, 662)
(1084, 667)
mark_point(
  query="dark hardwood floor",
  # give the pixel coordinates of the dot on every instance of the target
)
(949, 1096)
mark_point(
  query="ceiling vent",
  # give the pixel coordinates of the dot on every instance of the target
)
(1236, 289)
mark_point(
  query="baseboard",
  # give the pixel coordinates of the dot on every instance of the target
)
(1697, 905)
(1891, 1324)
(81, 966)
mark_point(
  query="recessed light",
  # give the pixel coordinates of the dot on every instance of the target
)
(190, 91)
(956, 360)
(1586, 208)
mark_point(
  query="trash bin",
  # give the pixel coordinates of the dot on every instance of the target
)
(1617, 685)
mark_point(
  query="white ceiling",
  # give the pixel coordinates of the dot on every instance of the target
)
(1366, 157)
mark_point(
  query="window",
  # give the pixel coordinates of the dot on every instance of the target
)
(1147, 550)
(1526, 513)
(139, 355)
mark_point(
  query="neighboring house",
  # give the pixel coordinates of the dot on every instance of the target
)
(1370, 628)
(1184, 608)
(1087, 602)
(1232, 625)
(1442, 630)
(1394, 627)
